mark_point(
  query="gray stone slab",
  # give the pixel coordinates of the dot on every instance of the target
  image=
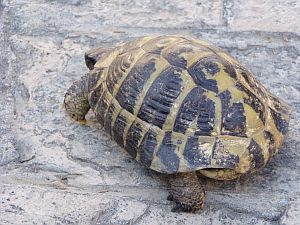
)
(275, 16)
(56, 171)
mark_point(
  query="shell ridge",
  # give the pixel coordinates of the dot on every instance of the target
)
(169, 109)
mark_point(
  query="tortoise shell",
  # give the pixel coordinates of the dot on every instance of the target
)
(179, 104)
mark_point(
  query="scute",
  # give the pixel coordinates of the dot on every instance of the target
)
(179, 104)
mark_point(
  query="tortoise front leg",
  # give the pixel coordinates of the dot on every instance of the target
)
(187, 192)
(76, 99)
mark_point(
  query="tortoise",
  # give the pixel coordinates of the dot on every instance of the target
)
(183, 107)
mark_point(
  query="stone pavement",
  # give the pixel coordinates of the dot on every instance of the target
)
(56, 171)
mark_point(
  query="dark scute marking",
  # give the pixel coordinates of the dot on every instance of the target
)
(133, 84)
(116, 70)
(281, 124)
(134, 135)
(252, 82)
(281, 108)
(94, 77)
(166, 153)
(233, 118)
(196, 104)
(224, 158)
(119, 128)
(212, 68)
(194, 155)
(108, 118)
(256, 151)
(198, 72)
(271, 141)
(246, 77)
(229, 68)
(147, 147)
(210, 64)
(160, 97)
(95, 95)
(174, 58)
(206, 117)
(188, 110)
(228, 161)
(102, 107)
(253, 101)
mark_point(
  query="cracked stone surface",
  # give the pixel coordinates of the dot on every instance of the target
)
(56, 171)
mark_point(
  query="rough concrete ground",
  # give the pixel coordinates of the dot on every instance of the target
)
(56, 171)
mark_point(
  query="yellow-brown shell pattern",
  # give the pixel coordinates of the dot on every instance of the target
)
(178, 104)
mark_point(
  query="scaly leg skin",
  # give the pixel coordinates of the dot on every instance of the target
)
(76, 99)
(187, 192)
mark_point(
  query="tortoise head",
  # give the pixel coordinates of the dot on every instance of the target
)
(76, 102)
(77, 97)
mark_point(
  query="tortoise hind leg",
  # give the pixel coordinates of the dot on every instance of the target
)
(76, 99)
(187, 192)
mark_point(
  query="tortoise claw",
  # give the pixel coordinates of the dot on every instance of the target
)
(179, 207)
(170, 197)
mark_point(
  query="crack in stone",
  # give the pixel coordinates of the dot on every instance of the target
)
(227, 12)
